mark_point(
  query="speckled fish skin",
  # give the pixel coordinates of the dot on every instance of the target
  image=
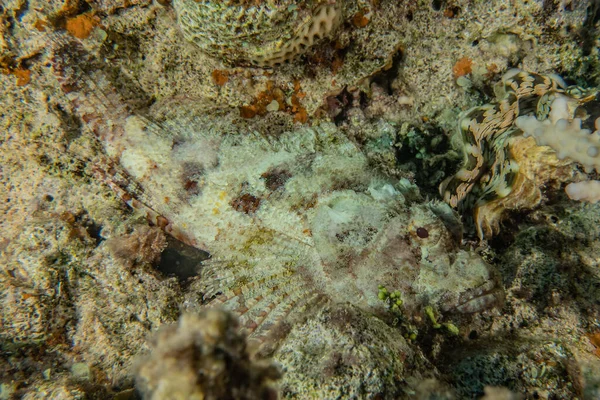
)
(289, 221)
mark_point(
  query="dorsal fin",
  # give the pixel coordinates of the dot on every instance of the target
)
(104, 114)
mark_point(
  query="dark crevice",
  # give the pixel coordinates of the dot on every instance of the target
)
(587, 34)
(385, 78)
(437, 4)
(416, 153)
(181, 260)
(92, 228)
(337, 106)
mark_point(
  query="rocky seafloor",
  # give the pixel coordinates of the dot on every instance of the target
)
(255, 213)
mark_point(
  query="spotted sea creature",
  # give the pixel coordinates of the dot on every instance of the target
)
(261, 33)
(504, 169)
(290, 221)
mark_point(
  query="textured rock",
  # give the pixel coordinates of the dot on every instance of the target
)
(65, 298)
(533, 369)
(344, 352)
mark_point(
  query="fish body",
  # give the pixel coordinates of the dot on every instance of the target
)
(290, 221)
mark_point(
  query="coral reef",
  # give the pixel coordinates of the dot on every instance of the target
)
(142, 40)
(546, 284)
(311, 184)
(533, 369)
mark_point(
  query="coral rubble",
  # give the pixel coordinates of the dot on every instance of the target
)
(203, 357)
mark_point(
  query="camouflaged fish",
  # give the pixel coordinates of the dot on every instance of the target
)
(290, 221)
(503, 169)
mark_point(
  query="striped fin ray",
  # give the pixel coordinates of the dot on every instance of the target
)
(99, 107)
(104, 114)
(244, 283)
(94, 98)
(271, 298)
(263, 304)
(278, 258)
(87, 89)
(291, 307)
(267, 289)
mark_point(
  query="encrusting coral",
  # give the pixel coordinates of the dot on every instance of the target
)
(263, 34)
(504, 168)
(588, 191)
